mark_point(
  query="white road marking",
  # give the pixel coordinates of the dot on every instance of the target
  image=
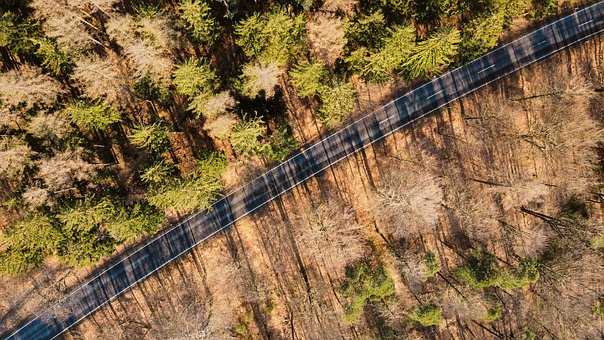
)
(486, 68)
(585, 23)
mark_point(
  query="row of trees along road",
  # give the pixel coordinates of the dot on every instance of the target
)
(115, 115)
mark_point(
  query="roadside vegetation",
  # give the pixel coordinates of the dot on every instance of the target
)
(119, 117)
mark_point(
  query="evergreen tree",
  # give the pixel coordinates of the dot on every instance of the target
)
(194, 77)
(397, 50)
(246, 137)
(338, 102)
(152, 137)
(270, 38)
(91, 115)
(197, 15)
(27, 243)
(431, 55)
(308, 78)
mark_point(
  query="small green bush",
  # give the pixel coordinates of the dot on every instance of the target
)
(427, 315)
(337, 103)
(363, 285)
(432, 263)
(481, 271)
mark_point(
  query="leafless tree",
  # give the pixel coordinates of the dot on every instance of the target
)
(27, 87)
(327, 37)
(65, 22)
(407, 202)
(64, 170)
(329, 231)
(347, 6)
(36, 197)
(15, 156)
(221, 126)
(217, 105)
(469, 306)
(101, 78)
(48, 126)
(261, 78)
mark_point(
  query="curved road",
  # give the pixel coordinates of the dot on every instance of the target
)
(136, 265)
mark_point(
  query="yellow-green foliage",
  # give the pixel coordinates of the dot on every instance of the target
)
(482, 271)
(97, 115)
(195, 192)
(427, 315)
(364, 285)
(27, 243)
(433, 54)
(194, 77)
(337, 103)
(197, 15)
(308, 78)
(246, 137)
(272, 38)
(432, 263)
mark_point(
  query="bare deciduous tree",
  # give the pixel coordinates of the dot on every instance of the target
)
(327, 37)
(101, 78)
(48, 126)
(62, 171)
(407, 202)
(66, 23)
(36, 197)
(261, 78)
(329, 231)
(15, 156)
(347, 6)
(27, 87)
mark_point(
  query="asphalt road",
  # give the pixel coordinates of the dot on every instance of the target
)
(136, 265)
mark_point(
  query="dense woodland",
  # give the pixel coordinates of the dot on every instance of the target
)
(118, 117)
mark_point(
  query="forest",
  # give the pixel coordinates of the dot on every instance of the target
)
(120, 117)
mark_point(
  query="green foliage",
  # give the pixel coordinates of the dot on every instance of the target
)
(91, 115)
(481, 35)
(337, 103)
(196, 192)
(529, 334)
(146, 88)
(197, 14)
(366, 31)
(157, 173)
(598, 307)
(597, 242)
(427, 315)
(282, 142)
(52, 58)
(432, 263)
(363, 285)
(308, 78)
(481, 271)
(245, 138)
(493, 314)
(27, 243)
(434, 53)
(271, 38)
(194, 77)
(132, 222)
(84, 229)
(397, 50)
(152, 137)
(16, 34)
(544, 8)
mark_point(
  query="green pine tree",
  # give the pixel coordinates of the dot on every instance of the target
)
(434, 53)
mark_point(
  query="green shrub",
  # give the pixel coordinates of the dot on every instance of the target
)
(132, 222)
(427, 315)
(157, 173)
(598, 307)
(493, 314)
(363, 285)
(282, 142)
(481, 271)
(432, 263)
